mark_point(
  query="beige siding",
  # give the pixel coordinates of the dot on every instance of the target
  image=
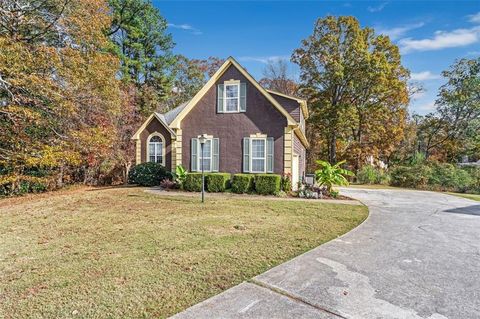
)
(299, 149)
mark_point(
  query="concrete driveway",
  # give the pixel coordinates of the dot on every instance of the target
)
(416, 256)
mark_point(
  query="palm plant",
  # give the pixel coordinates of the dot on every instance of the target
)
(180, 175)
(329, 175)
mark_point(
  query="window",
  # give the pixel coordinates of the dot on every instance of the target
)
(209, 159)
(156, 149)
(206, 157)
(232, 97)
(258, 155)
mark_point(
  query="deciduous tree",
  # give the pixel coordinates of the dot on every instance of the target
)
(357, 89)
(277, 77)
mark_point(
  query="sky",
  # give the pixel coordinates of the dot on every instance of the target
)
(431, 34)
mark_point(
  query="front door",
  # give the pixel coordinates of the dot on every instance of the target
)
(295, 172)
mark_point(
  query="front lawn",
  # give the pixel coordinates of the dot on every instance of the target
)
(468, 196)
(123, 252)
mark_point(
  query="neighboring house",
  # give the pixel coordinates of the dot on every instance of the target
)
(250, 129)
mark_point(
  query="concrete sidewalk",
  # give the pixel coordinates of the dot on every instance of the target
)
(416, 256)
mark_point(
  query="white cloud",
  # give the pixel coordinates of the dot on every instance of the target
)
(378, 8)
(442, 40)
(397, 32)
(424, 76)
(418, 95)
(474, 18)
(264, 59)
(426, 107)
(185, 27)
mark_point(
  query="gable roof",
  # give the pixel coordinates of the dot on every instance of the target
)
(161, 118)
(173, 113)
(230, 61)
(302, 102)
(171, 120)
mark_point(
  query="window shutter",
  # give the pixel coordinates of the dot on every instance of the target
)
(246, 155)
(243, 97)
(215, 155)
(194, 155)
(220, 88)
(270, 143)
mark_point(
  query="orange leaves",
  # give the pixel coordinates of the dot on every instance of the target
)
(63, 92)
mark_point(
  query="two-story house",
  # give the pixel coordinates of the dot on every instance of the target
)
(249, 129)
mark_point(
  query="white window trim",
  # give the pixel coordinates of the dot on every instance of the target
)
(231, 83)
(264, 139)
(164, 155)
(200, 156)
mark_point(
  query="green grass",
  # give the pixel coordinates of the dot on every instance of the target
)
(126, 253)
(468, 196)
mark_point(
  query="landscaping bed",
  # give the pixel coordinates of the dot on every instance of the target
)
(126, 253)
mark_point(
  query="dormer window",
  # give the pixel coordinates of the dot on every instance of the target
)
(232, 97)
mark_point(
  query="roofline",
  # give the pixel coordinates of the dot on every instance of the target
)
(136, 136)
(302, 137)
(286, 95)
(302, 102)
(230, 61)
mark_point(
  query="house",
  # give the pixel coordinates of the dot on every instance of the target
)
(249, 129)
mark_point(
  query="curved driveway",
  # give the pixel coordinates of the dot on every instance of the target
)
(416, 256)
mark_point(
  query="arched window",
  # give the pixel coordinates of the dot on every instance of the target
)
(156, 148)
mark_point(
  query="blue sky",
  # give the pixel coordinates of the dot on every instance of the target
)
(431, 34)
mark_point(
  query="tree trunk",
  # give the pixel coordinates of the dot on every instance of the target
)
(332, 152)
(126, 169)
(60, 177)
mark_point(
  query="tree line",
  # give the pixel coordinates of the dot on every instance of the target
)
(78, 77)
(359, 91)
(76, 80)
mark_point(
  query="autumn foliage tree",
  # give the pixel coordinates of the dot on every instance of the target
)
(58, 91)
(357, 89)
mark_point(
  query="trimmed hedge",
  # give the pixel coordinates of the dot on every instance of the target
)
(267, 184)
(148, 174)
(217, 182)
(242, 183)
(193, 182)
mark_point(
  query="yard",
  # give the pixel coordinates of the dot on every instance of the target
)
(122, 252)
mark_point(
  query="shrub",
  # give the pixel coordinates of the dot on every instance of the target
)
(410, 176)
(168, 184)
(148, 174)
(474, 173)
(449, 177)
(371, 175)
(435, 176)
(217, 182)
(286, 183)
(242, 183)
(193, 182)
(20, 185)
(267, 184)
